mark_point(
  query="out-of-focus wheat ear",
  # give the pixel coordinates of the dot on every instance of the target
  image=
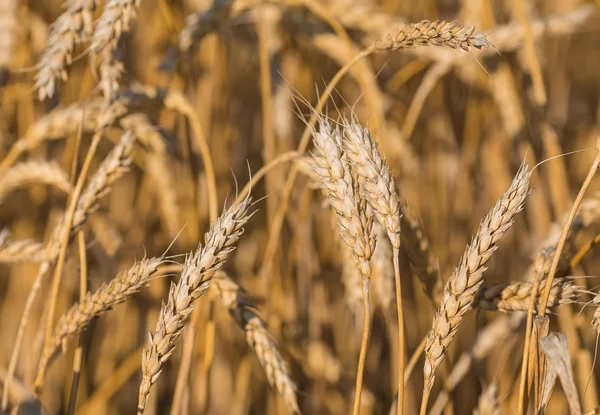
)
(12, 252)
(72, 27)
(115, 20)
(488, 401)
(195, 280)
(461, 287)
(111, 169)
(79, 316)
(32, 172)
(454, 35)
(8, 28)
(514, 296)
(242, 309)
(200, 24)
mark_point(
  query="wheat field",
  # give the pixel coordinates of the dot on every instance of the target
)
(299, 207)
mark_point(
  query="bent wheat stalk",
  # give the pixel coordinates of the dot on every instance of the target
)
(460, 290)
(195, 280)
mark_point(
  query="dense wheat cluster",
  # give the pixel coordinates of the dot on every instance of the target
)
(299, 207)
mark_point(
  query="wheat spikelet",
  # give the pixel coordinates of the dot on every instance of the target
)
(461, 287)
(33, 172)
(195, 280)
(242, 309)
(379, 188)
(111, 169)
(488, 401)
(331, 165)
(514, 296)
(596, 317)
(71, 28)
(118, 290)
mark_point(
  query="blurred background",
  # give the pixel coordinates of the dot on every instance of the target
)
(454, 126)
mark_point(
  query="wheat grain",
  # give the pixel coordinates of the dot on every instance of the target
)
(195, 280)
(461, 287)
(258, 337)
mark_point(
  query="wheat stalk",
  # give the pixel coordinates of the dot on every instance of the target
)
(79, 316)
(460, 290)
(195, 280)
(514, 296)
(242, 309)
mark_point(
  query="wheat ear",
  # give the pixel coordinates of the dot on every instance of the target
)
(115, 20)
(28, 173)
(243, 310)
(194, 282)
(515, 296)
(437, 33)
(460, 290)
(112, 168)
(488, 401)
(72, 27)
(118, 290)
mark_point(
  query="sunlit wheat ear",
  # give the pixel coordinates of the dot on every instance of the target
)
(461, 287)
(242, 309)
(195, 280)
(331, 165)
(379, 188)
(514, 296)
(437, 33)
(79, 316)
(72, 27)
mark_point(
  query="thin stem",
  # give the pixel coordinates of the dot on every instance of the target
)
(363, 346)
(83, 287)
(578, 257)
(68, 222)
(424, 401)
(525, 360)
(565, 231)
(400, 332)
